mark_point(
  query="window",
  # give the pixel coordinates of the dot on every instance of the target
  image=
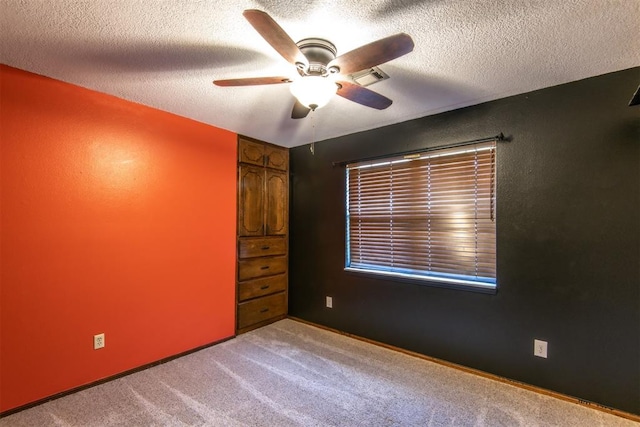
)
(427, 216)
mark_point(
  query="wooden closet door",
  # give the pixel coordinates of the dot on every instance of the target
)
(251, 201)
(276, 158)
(277, 208)
(251, 152)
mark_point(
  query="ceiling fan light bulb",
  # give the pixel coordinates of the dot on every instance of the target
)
(314, 91)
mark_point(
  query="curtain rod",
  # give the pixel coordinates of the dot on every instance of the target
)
(499, 137)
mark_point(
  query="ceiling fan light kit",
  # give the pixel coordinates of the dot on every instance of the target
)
(322, 73)
(314, 91)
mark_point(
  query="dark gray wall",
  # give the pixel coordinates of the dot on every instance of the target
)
(568, 236)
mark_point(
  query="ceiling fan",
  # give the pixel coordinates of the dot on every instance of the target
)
(322, 73)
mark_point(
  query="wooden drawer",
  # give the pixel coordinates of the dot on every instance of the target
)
(261, 287)
(261, 267)
(263, 246)
(260, 309)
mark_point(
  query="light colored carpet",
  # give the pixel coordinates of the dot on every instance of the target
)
(293, 374)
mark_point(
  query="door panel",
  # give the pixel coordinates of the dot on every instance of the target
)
(277, 209)
(251, 152)
(276, 158)
(251, 201)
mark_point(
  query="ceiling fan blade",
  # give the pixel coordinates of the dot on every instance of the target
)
(374, 53)
(299, 111)
(362, 95)
(275, 36)
(252, 81)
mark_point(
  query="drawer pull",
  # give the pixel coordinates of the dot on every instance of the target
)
(264, 310)
(264, 267)
(264, 287)
(265, 248)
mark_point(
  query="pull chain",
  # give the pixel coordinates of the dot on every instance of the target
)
(312, 147)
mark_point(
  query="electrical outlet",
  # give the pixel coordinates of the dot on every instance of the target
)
(98, 341)
(540, 348)
(329, 302)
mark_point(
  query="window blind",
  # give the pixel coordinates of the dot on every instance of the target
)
(429, 215)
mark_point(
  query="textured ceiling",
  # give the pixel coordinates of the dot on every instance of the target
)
(165, 53)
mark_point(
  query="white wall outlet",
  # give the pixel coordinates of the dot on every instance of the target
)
(540, 348)
(98, 341)
(329, 302)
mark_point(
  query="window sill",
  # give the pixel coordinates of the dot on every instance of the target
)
(437, 282)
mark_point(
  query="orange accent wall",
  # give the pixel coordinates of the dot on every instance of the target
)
(116, 218)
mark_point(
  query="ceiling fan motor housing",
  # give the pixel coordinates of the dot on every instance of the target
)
(319, 52)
